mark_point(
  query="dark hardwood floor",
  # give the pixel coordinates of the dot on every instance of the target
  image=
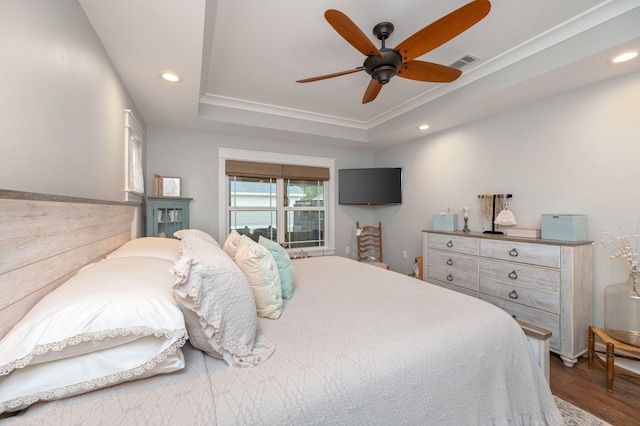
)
(587, 388)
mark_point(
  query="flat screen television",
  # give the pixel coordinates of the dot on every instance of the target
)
(373, 186)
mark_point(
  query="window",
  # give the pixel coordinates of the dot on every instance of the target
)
(288, 211)
(304, 213)
(287, 203)
(134, 149)
(253, 207)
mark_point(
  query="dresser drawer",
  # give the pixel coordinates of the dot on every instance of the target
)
(533, 254)
(533, 316)
(543, 279)
(527, 296)
(453, 243)
(456, 288)
(453, 276)
(453, 261)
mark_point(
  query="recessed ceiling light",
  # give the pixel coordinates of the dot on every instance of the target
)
(623, 57)
(171, 77)
(423, 127)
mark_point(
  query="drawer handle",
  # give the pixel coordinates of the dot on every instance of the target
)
(513, 295)
(450, 262)
(450, 244)
(513, 252)
(513, 275)
(449, 277)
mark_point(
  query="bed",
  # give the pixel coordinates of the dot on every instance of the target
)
(354, 344)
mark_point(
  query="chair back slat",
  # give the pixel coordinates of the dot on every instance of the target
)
(370, 243)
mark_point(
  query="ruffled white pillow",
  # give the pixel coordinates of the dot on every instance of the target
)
(261, 270)
(115, 321)
(184, 232)
(163, 248)
(218, 305)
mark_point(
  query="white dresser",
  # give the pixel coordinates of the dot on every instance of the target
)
(542, 282)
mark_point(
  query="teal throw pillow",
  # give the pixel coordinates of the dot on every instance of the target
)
(284, 265)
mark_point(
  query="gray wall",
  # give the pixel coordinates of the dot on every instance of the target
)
(194, 157)
(577, 153)
(62, 132)
(61, 104)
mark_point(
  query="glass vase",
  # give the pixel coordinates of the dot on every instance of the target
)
(622, 310)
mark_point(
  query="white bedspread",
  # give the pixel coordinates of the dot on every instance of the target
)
(356, 345)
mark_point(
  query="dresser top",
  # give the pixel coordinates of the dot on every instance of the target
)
(503, 237)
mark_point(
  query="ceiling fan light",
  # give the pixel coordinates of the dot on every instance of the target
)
(384, 73)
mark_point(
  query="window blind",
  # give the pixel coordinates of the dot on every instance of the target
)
(273, 170)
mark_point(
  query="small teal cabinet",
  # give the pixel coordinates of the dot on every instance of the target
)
(166, 215)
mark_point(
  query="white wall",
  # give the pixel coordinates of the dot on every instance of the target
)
(575, 153)
(61, 104)
(194, 157)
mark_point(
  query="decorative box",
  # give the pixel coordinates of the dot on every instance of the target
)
(523, 232)
(564, 227)
(445, 222)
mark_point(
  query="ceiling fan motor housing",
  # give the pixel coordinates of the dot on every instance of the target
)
(382, 69)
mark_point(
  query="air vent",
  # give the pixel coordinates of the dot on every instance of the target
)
(464, 61)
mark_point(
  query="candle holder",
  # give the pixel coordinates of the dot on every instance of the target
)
(466, 228)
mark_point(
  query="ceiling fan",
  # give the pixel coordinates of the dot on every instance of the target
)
(382, 64)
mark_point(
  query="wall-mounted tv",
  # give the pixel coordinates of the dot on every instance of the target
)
(373, 186)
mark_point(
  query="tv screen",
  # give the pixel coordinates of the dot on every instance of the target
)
(370, 186)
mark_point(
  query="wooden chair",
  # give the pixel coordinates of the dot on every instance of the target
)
(626, 354)
(370, 245)
(419, 265)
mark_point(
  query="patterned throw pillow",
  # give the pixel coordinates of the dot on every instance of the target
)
(284, 265)
(261, 270)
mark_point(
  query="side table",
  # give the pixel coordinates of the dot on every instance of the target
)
(624, 352)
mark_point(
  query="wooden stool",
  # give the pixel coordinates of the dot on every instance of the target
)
(630, 353)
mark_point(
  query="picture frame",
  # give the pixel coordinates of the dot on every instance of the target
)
(167, 186)
(171, 186)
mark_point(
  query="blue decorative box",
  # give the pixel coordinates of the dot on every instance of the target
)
(445, 222)
(564, 227)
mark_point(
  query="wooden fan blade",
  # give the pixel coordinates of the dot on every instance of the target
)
(428, 71)
(324, 77)
(443, 30)
(372, 91)
(350, 32)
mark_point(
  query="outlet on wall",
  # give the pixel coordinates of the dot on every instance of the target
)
(347, 250)
(404, 254)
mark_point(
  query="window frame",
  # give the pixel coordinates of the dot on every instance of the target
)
(293, 209)
(134, 139)
(330, 190)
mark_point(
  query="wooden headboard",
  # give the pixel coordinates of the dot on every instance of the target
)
(44, 240)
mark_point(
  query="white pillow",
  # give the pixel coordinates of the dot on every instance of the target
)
(184, 232)
(218, 305)
(163, 248)
(284, 265)
(115, 321)
(231, 243)
(261, 270)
